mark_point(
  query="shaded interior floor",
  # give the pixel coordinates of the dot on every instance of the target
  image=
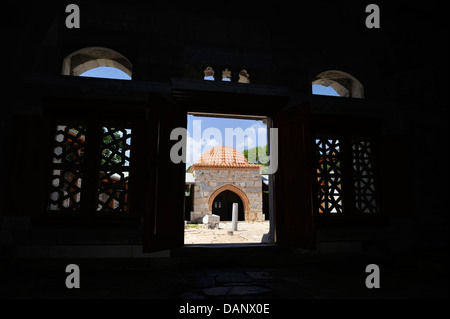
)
(249, 273)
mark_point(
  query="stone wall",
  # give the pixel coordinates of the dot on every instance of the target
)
(246, 183)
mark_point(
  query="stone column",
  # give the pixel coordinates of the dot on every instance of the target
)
(234, 217)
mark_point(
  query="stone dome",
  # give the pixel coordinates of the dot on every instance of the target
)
(224, 156)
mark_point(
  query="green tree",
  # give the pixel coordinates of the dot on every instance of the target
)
(110, 147)
(258, 155)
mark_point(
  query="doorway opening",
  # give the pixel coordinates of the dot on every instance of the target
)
(223, 206)
(227, 163)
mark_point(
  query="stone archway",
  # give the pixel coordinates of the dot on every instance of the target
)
(234, 189)
(343, 83)
(223, 206)
(89, 58)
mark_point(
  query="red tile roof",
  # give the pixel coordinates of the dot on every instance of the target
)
(223, 156)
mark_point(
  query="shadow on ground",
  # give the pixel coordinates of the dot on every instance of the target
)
(246, 273)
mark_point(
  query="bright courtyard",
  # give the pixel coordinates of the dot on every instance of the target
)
(247, 232)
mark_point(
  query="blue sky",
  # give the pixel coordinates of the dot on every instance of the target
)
(211, 132)
(107, 73)
(199, 143)
(323, 90)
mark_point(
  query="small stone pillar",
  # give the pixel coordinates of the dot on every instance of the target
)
(234, 217)
(209, 73)
(226, 75)
(244, 77)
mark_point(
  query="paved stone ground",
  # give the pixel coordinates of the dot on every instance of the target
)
(267, 275)
(248, 232)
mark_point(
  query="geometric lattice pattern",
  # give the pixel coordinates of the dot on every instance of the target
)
(69, 144)
(65, 191)
(329, 176)
(68, 167)
(66, 176)
(112, 191)
(363, 177)
(115, 145)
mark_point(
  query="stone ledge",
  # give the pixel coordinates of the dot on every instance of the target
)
(86, 251)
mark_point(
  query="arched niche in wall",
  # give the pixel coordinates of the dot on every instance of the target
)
(89, 58)
(343, 83)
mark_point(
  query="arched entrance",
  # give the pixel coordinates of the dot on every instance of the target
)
(343, 83)
(89, 58)
(223, 205)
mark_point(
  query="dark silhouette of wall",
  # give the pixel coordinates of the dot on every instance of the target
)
(403, 67)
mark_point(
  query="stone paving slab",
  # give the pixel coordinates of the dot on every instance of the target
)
(216, 291)
(248, 232)
(228, 283)
(227, 277)
(311, 277)
(259, 275)
(248, 290)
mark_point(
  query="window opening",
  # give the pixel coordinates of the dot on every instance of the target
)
(70, 165)
(357, 168)
(337, 83)
(114, 169)
(66, 168)
(107, 61)
(329, 176)
(106, 72)
(363, 176)
(318, 89)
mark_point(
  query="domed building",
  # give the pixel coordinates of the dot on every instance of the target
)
(223, 177)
